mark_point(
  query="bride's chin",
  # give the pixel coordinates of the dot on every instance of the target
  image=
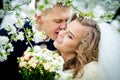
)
(56, 44)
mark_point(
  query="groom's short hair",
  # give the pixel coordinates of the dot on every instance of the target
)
(58, 5)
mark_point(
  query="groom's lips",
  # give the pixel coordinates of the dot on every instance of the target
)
(57, 32)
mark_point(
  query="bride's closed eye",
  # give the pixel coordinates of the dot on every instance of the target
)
(70, 36)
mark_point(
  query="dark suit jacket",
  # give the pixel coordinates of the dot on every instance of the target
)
(9, 68)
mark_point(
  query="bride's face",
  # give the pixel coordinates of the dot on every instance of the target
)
(68, 39)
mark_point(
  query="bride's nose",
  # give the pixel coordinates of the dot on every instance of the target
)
(62, 33)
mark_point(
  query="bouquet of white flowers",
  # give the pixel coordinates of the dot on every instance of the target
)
(40, 64)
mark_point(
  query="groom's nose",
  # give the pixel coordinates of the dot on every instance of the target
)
(63, 25)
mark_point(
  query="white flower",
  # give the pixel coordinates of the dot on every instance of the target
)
(39, 36)
(3, 51)
(11, 29)
(11, 48)
(22, 59)
(1, 13)
(3, 58)
(27, 55)
(5, 47)
(22, 64)
(33, 63)
(3, 40)
(20, 23)
(20, 36)
(46, 66)
(98, 11)
(37, 49)
(27, 50)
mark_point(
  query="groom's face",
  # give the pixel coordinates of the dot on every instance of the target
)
(53, 22)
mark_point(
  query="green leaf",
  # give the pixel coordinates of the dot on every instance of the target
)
(118, 30)
(41, 7)
(90, 14)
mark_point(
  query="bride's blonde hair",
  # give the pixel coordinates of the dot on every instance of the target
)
(87, 50)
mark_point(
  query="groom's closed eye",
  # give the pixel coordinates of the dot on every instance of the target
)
(58, 20)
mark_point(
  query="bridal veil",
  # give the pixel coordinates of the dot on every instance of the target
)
(109, 52)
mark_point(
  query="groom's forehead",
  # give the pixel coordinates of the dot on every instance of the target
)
(59, 14)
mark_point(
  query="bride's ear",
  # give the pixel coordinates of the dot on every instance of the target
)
(77, 50)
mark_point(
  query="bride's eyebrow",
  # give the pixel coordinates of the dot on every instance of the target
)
(71, 33)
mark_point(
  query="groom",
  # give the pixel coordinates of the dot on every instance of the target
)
(50, 22)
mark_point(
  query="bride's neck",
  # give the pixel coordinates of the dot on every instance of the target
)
(67, 56)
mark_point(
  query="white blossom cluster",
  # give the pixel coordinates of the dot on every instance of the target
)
(16, 35)
(24, 12)
(5, 48)
(101, 11)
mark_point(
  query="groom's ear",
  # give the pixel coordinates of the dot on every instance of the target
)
(38, 18)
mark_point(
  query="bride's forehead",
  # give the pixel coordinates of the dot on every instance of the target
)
(74, 24)
(76, 27)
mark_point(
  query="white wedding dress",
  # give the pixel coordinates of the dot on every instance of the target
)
(90, 72)
(109, 52)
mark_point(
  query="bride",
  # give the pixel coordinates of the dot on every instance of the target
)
(90, 52)
(78, 45)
